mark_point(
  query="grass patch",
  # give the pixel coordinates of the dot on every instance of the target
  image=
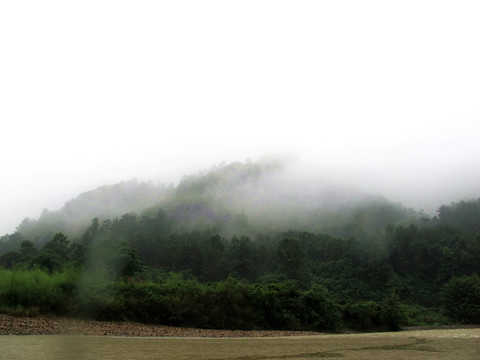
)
(30, 292)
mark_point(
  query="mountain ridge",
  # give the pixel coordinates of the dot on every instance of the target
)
(235, 198)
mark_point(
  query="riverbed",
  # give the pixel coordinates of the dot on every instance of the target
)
(458, 344)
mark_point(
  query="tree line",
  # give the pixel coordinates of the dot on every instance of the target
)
(146, 269)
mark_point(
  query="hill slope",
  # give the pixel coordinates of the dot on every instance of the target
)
(239, 198)
(104, 203)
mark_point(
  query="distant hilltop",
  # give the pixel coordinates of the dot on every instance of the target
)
(237, 198)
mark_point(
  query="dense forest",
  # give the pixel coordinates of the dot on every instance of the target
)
(238, 247)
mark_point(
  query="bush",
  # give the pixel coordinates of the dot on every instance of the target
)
(417, 315)
(36, 289)
(278, 304)
(363, 316)
(320, 311)
(95, 296)
(461, 299)
(392, 313)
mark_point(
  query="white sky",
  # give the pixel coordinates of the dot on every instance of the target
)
(385, 94)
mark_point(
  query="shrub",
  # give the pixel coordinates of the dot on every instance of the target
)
(461, 299)
(392, 313)
(36, 289)
(320, 311)
(363, 316)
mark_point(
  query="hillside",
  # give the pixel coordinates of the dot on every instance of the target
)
(106, 202)
(239, 198)
(246, 246)
(244, 198)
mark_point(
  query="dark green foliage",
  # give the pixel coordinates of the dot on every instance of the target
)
(280, 302)
(464, 215)
(229, 304)
(365, 315)
(214, 263)
(461, 298)
(95, 297)
(233, 302)
(8, 260)
(58, 245)
(115, 257)
(414, 250)
(320, 311)
(242, 258)
(47, 260)
(91, 234)
(9, 243)
(448, 265)
(418, 315)
(392, 313)
(27, 248)
(53, 256)
(292, 258)
(149, 268)
(38, 290)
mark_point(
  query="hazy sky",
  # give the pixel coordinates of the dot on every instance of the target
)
(384, 94)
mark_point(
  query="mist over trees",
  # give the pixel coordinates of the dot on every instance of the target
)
(239, 198)
(106, 202)
(238, 247)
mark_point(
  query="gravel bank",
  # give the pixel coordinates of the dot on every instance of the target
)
(43, 325)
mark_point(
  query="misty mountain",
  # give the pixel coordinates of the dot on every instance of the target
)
(180, 248)
(105, 202)
(238, 198)
(245, 198)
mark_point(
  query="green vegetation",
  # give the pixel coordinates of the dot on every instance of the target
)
(35, 291)
(462, 299)
(199, 262)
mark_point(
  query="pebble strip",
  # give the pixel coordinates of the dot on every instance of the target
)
(43, 325)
